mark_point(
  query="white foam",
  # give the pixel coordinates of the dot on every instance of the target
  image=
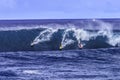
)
(79, 34)
(18, 28)
(105, 29)
(66, 40)
(31, 72)
(26, 27)
(44, 36)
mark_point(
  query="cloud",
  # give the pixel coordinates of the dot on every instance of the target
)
(7, 4)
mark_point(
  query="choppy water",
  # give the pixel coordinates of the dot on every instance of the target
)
(101, 64)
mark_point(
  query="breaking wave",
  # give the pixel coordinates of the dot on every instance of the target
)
(55, 37)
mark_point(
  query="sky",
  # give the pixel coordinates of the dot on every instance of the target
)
(59, 9)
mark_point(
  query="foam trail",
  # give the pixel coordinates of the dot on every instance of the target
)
(66, 40)
(43, 36)
(78, 34)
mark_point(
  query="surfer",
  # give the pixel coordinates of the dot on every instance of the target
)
(31, 45)
(80, 45)
(60, 47)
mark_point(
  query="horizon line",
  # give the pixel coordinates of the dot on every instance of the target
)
(60, 19)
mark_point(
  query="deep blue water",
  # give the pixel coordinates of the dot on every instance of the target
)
(31, 49)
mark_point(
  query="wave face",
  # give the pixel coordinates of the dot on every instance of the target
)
(50, 35)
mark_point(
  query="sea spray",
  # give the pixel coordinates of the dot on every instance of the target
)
(78, 35)
(67, 38)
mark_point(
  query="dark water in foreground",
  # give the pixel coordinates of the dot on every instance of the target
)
(86, 64)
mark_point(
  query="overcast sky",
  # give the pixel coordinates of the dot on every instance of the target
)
(59, 9)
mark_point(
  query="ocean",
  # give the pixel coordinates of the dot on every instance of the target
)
(49, 49)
